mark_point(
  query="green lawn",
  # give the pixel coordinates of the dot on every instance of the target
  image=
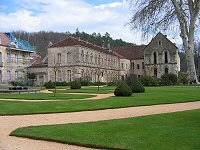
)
(177, 131)
(43, 96)
(152, 96)
(94, 90)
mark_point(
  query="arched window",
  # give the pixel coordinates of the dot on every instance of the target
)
(99, 59)
(82, 56)
(166, 70)
(91, 58)
(95, 59)
(59, 76)
(154, 57)
(69, 58)
(166, 57)
(155, 72)
(87, 58)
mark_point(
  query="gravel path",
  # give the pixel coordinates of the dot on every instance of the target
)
(10, 123)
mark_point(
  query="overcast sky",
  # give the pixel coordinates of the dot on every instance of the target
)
(98, 16)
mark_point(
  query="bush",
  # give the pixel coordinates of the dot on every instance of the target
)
(149, 81)
(75, 84)
(123, 90)
(96, 83)
(49, 85)
(169, 79)
(183, 78)
(173, 78)
(135, 85)
(84, 82)
(111, 84)
(62, 83)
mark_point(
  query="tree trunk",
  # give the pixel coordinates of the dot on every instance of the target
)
(190, 64)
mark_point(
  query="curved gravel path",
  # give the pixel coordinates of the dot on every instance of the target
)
(10, 123)
(96, 97)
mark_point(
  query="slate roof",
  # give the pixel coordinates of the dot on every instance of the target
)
(72, 41)
(131, 52)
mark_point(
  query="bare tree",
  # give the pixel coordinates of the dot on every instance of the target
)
(153, 15)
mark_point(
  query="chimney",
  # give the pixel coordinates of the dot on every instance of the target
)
(108, 46)
(50, 43)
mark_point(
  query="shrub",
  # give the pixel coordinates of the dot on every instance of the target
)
(173, 78)
(169, 79)
(165, 80)
(183, 78)
(84, 82)
(111, 84)
(49, 85)
(123, 90)
(75, 84)
(135, 85)
(149, 81)
(96, 83)
(62, 83)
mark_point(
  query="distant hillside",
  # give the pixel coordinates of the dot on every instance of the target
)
(41, 39)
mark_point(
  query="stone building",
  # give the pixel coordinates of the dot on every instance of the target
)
(14, 58)
(74, 58)
(161, 56)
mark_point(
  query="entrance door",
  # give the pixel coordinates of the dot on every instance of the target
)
(41, 80)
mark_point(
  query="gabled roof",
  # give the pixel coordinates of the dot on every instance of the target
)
(164, 37)
(72, 41)
(131, 52)
(5, 41)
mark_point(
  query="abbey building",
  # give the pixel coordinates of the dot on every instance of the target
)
(73, 58)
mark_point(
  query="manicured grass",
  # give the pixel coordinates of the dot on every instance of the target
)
(177, 131)
(102, 90)
(152, 96)
(43, 96)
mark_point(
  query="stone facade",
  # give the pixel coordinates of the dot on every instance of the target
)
(73, 58)
(13, 61)
(161, 56)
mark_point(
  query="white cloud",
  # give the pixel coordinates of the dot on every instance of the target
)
(67, 15)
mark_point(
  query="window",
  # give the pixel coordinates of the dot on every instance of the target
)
(24, 59)
(142, 65)
(69, 58)
(138, 66)
(82, 56)
(155, 58)
(16, 58)
(159, 43)
(59, 58)
(0, 58)
(69, 76)
(8, 57)
(91, 58)
(166, 70)
(95, 59)
(99, 59)
(8, 75)
(59, 76)
(122, 65)
(132, 65)
(87, 58)
(16, 75)
(166, 57)
(155, 72)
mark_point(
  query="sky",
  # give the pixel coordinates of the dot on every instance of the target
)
(98, 16)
